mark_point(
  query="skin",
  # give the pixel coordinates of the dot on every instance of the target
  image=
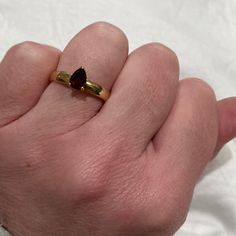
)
(73, 165)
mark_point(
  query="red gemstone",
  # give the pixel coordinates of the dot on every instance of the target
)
(78, 79)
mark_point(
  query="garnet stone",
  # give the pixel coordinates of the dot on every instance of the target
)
(78, 78)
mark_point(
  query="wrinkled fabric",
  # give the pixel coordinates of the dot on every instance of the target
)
(202, 33)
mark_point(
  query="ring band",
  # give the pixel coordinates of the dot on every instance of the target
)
(78, 80)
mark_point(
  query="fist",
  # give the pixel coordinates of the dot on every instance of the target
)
(71, 164)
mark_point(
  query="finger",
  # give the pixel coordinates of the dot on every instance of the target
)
(227, 121)
(142, 96)
(101, 49)
(186, 142)
(24, 75)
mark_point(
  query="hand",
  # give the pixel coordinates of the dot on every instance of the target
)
(73, 165)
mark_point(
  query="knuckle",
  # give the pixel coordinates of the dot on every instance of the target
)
(161, 51)
(31, 52)
(91, 183)
(24, 49)
(171, 217)
(108, 31)
(200, 86)
(157, 218)
(171, 221)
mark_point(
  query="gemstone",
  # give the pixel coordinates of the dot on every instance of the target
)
(78, 78)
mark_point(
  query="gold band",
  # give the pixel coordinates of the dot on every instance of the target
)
(88, 86)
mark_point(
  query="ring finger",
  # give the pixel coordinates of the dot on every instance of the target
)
(101, 49)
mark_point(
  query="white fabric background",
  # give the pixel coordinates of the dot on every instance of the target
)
(202, 33)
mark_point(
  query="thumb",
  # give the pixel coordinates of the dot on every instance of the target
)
(227, 121)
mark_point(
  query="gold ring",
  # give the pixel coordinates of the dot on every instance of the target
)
(78, 80)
